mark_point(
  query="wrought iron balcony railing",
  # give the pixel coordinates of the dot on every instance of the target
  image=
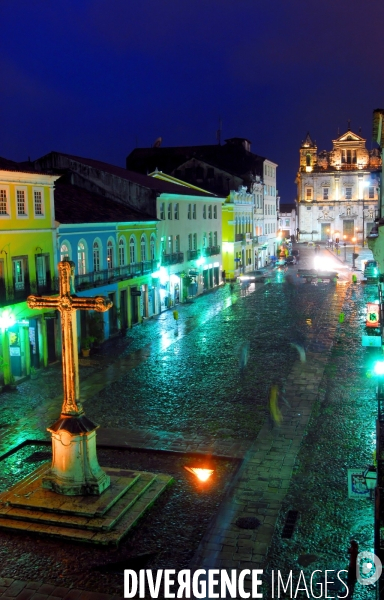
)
(172, 259)
(193, 254)
(211, 250)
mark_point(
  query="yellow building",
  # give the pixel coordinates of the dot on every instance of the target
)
(237, 233)
(27, 254)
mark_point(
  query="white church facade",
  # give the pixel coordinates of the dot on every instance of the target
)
(337, 191)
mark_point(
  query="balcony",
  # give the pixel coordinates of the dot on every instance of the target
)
(239, 237)
(193, 254)
(106, 276)
(172, 259)
(211, 250)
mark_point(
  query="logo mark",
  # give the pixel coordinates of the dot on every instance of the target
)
(368, 568)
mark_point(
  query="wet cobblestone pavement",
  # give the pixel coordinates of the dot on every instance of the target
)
(183, 389)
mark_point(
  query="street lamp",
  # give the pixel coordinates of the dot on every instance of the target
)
(354, 255)
(370, 476)
(345, 248)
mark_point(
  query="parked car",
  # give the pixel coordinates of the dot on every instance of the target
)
(290, 260)
(310, 244)
(371, 270)
(255, 277)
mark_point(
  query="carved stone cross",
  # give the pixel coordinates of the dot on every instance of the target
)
(67, 303)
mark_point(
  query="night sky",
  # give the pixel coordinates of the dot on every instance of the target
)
(97, 78)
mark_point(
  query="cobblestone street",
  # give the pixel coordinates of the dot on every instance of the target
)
(180, 387)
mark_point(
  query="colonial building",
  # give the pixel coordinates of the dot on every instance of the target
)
(225, 170)
(189, 232)
(27, 261)
(337, 191)
(288, 220)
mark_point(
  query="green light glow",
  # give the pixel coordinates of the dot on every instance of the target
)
(379, 367)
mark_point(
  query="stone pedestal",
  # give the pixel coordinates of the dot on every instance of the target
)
(75, 469)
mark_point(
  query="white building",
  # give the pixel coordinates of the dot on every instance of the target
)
(288, 220)
(271, 207)
(337, 191)
(189, 243)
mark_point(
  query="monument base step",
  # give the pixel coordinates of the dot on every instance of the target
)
(103, 519)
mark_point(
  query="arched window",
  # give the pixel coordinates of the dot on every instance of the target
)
(132, 250)
(143, 248)
(96, 256)
(122, 252)
(153, 247)
(64, 252)
(110, 254)
(210, 239)
(81, 266)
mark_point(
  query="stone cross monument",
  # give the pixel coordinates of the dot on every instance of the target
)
(75, 469)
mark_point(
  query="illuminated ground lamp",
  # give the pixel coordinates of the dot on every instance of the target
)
(201, 474)
(370, 476)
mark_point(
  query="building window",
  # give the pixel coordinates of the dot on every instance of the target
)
(348, 193)
(20, 194)
(170, 244)
(287, 222)
(308, 193)
(204, 211)
(162, 211)
(176, 212)
(3, 202)
(152, 245)
(194, 211)
(190, 241)
(215, 212)
(64, 252)
(204, 240)
(143, 248)
(38, 202)
(348, 157)
(189, 211)
(169, 212)
(132, 250)
(371, 192)
(215, 238)
(18, 274)
(195, 241)
(109, 254)
(177, 243)
(96, 256)
(121, 252)
(41, 271)
(210, 239)
(81, 269)
(325, 193)
(210, 211)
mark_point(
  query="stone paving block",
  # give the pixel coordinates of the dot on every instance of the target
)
(6, 581)
(34, 585)
(37, 596)
(73, 594)
(46, 588)
(60, 592)
(2, 589)
(25, 594)
(15, 588)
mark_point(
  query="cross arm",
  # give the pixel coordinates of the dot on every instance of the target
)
(98, 303)
(43, 302)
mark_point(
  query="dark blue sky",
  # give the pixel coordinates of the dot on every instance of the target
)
(97, 77)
